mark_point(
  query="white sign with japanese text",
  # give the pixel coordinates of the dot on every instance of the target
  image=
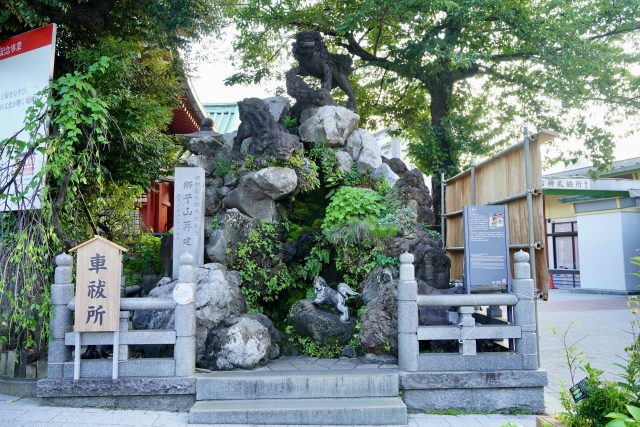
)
(566, 183)
(26, 66)
(188, 216)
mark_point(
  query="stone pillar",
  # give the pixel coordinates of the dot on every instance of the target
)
(124, 326)
(524, 311)
(184, 351)
(61, 320)
(467, 323)
(407, 315)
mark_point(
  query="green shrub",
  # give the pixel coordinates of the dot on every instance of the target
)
(143, 258)
(604, 397)
(350, 202)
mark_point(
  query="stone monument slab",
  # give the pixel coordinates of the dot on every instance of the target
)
(188, 222)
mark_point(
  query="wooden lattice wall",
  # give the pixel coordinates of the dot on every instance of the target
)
(497, 178)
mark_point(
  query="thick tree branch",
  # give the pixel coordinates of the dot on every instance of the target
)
(614, 33)
(55, 219)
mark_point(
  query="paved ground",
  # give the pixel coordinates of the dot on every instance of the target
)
(602, 330)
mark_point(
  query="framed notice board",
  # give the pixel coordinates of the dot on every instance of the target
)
(486, 246)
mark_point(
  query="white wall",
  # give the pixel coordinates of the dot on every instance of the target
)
(602, 257)
(631, 242)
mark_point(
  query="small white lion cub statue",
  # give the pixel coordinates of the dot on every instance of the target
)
(328, 296)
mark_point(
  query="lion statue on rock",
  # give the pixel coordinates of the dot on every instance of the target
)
(325, 295)
(331, 68)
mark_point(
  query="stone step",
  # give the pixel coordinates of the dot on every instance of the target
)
(351, 411)
(310, 384)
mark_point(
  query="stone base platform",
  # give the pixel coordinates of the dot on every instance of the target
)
(474, 390)
(167, 394)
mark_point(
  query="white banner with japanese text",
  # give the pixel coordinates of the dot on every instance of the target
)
(26, 66)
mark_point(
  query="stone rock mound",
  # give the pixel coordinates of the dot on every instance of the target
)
(218, 296)
(240, 342)
(323, 327)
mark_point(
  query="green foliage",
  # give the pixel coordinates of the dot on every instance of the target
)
(310, 348)
(429, 228)
(143, 257)
(368, 232)
(386, 261)
(350, 202)
(26, 254)
(290, 122)
(636, 261)
(115, 85)
(464, 77)
(603, 398)
(255, 259)
(624, 420)
(355, 262)
(223, 165)
(403, 219)
(332, 177)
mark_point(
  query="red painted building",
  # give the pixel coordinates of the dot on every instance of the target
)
(156, 211)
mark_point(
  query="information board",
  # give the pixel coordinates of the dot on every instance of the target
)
(486, 246)
(26, 65)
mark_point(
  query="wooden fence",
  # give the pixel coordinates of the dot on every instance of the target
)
(501, 179)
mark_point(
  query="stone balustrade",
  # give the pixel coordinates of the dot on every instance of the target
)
(465, 330)
(60, 363)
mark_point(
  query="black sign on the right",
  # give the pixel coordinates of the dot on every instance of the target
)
(486, 246)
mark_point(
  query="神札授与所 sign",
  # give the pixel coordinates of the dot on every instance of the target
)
(486, 245)
(98, 271)
(26, 65)
(188, 216)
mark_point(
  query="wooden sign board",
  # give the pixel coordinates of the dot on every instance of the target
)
(98, 271)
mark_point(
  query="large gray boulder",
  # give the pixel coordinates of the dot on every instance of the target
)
(234, 227)
(412, 190)
(379, 331)
(333, 124)
(212, 201)
(208, 146)
(432, 265)
(257, 192)
(241, 342)
(204, 162)
(278, 106)
(385, 171)
(344, 161)
(218, 296)
(353, 144)
(370, 157)
(323, 327)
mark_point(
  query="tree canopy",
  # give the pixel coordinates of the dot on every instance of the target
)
(463, 77)
(117, 78)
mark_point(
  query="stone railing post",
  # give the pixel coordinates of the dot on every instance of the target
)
(61, 320)
(407, 315)
(524, 311)
(184, 351)
(467, 322)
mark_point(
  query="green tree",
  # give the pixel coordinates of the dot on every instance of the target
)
(117, 79)
(463, 77)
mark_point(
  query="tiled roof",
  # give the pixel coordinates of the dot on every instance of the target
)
(225, 116)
